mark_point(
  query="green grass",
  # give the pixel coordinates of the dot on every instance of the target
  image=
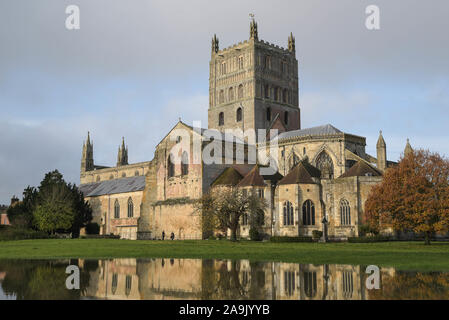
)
(401, 255)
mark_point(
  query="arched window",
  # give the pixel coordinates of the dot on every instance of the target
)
(98, 178)
(345, 213)
(221, 97)
(231, 94)
(221, 119)
(239, 115)
(170, 167)
(268, 114)
(285, 96)
(136, 173)
(267, 91)
(308, 213)
(128, 284)
(130, 208)
(276, 94)
(325, 165)
(116, 209)
(185, 163)
(310, 284)
(114, 283)
(286, 117)
(288, 214)
(347, 284)
(244, 219)
(124, 175)
(240, 91)
(289, 282)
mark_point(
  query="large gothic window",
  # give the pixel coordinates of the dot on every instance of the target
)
(185, 163)
(170, 167)
(221, 119)
(268, 114)
(239, 115)
(310, 284)
(240, 91)
(116, 209)
(345, 213)
(308, 213)
(130, 208)
(325, 165)
(114, 283)
(288, 214)
(286, 117)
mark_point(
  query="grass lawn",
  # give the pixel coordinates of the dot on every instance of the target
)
(401, 255)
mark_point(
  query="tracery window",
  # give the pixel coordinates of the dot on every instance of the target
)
(308, 213)
(345, 213)
(288, 214)
(325, 165)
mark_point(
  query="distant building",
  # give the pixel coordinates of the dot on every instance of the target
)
(3, 216)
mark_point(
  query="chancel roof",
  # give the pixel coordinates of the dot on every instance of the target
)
(327, 129)
(114, 186)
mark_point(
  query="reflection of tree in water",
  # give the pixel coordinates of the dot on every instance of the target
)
(39, 280)
(412, 285)
(222, 282)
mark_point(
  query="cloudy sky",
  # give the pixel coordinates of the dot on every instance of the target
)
(136, 66)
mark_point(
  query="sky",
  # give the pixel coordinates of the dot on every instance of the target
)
(135, 67)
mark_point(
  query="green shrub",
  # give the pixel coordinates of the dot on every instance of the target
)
(291, 239)
(255, 234)
(14, 233)
(92, 228)
(100, 236)
(377, 238)
(365, 229)
(316, 234)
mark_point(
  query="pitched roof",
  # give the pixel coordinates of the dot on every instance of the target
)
(229, 177)
(360, 169)
(114, 186)
(327, 129)
(253, 178)
(303, 172)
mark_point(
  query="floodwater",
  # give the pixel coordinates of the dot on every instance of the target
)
(152, 279)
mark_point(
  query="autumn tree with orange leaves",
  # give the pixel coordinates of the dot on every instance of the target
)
(413, 196)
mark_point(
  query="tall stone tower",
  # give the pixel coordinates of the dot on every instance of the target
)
(87, 159)
(253, 82)
(381, 153)
(122, 156)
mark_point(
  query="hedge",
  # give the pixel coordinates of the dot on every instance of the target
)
(291, 239)
(12, 233)
(369, 239)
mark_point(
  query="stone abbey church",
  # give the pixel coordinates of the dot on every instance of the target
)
(321, 171)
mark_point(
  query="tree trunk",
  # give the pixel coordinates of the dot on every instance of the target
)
(234, 234)
(427, 238)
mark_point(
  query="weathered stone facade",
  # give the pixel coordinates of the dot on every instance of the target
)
(190, 279)
(322, 172)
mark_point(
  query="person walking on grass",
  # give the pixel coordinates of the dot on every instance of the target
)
(163, 235)
(172, 236)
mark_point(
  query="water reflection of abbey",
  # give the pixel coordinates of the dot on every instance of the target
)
(224, 279)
